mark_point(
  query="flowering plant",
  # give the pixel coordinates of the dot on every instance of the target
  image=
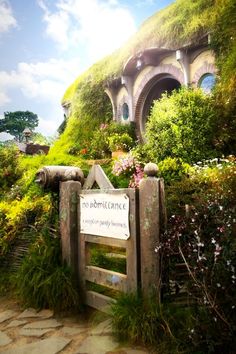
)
(120, 142)
(129, 167)
(202, 240)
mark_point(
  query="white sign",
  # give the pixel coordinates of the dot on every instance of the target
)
(104, 214)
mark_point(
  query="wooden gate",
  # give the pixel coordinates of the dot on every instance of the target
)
(132, 223)
(90, 274)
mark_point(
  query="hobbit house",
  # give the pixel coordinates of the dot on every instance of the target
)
(150, 73)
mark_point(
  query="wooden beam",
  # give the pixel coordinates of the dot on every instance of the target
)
(108, 278)
(97, 175)
(99, 301)
(107, 241)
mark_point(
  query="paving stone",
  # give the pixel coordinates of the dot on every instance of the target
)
(45, 313)
(16, 323)
(7, 315)
(28, 313)
(46, 346)
(96, 345)
(33, 332)
(102, 328)
(52, 323)
(4, 339)
(71, 331)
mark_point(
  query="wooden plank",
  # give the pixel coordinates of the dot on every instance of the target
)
(97, 175)
(108, 278)
(107, 241)
(82, 263)
(90, 180)
(102, 179)
(163, 212)
(132, 247)
(99, 301)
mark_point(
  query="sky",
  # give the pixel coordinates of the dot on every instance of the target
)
(46, 44)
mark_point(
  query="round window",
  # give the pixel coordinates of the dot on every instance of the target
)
(125, 111)
(207, 82)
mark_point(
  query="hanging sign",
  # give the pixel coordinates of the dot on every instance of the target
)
(104, 214)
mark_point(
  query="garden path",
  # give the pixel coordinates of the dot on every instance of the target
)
(41, 332)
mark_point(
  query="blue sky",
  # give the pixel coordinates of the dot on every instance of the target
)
(46, 44)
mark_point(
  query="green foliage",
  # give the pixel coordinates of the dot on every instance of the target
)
(224, 45)
(9, 169)
(100, 257)
(5, 283)
(20, 214)
(77, 136)
(14, 123)
(42, 280)
(173, 169)
(182, 126)
(163, 327)
(120, 142)
(134, 320)
(107, 135)
(204, 238)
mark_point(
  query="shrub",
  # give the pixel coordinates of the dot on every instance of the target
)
(182, 126)
(20, 215)
(144, 320)
(120, 142)
(42, 280)
(9, 169)
(109, 137)
(173, 169)
(204, 239)
(136, 321)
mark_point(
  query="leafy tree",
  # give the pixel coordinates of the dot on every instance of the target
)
(182, 126)
(14, 123)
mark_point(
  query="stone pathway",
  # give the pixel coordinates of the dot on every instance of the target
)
(32, 332)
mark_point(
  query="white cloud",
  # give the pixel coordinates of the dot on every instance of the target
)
(48, 126)
(100, 26)
(42, 82)
(6, 136)
(7, 20)
(46, 81)
(4, 99)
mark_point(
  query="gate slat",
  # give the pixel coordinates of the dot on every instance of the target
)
(99, 301)
(107, 241)
(108, 278)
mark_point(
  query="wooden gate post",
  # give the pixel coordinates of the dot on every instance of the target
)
(69, 197)
(150, 216)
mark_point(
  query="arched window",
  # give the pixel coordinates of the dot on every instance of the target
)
(207, 82)
(125, 111)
